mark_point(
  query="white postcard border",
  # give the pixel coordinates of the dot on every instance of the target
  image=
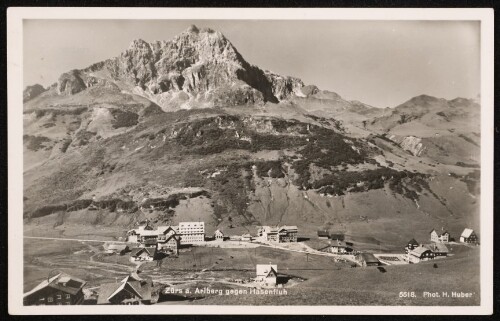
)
(15, 18)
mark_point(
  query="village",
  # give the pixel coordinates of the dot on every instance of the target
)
(148, 244)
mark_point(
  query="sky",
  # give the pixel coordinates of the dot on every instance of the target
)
(380, 63)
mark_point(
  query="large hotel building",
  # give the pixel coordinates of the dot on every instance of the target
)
(191, 232)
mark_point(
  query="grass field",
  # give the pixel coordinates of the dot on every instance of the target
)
(82, 260)
(221, 261)
(370, 286)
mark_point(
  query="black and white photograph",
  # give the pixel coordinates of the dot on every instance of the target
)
(200, 161)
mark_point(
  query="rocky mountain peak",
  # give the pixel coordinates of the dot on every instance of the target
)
(33, 91)
(192, 29)
(139, 44)
(197, 68)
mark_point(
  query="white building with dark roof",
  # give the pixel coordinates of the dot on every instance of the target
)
(267, 274)
(218, 235)
(439, 237)
(469, 236)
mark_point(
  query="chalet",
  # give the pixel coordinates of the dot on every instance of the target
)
(367, 259)
(169, 244)
(117, 249)
(267, 274)
(61, 289)
(132, 290)
(420, 253)
(246, 237)
(133, 235)
(412, 244)
(439, 238)
(218, 235)
(287, 234)
(439, 249)
(268, 233)
(168, 240)
(148, 237)
(340, 247)
(143, 254)
(468, 236)
(323, 234)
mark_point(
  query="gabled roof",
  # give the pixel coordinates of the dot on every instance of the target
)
(445, 232)
(138, 250)
(433, 230)
(266, 269)
(124, 286)
(139, 288)
(173, 236)
(418, 251)
(339, 243)
(218, 231)
(437, 247)
(62, 282)
(413, 242)
(108, 290)
(165, 229)
(467, 232)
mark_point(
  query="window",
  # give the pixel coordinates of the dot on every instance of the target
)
(68, 296)
(59, 296)
(50, 299)
(42, 299)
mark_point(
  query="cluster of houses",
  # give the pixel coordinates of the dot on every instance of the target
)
(416, 252)
(278, 234)
(152, 242)
(163, 239)
(64, 289)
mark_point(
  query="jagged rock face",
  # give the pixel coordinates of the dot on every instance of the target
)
(412, 144)
(70, 83)
(32, 91)
(200, 63)
(75, 81)
(284, 87)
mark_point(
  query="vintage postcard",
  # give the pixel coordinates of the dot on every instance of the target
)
(250, 161)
